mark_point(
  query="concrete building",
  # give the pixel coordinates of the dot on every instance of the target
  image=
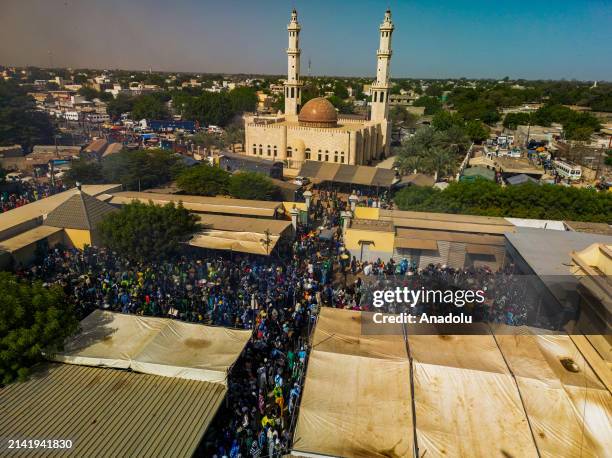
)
(316, 131)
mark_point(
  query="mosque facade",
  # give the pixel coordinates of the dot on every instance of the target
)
(316, 131)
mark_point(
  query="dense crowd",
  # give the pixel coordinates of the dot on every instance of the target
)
(27, 193)
(276, 298)
(510, 298)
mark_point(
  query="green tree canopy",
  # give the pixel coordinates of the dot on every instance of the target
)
(149, 106)
(482, 197)
(204, 180)
(89, 93)
(341, 105)
(147, 231)
(251, 185)
(85, 172)
(33, 319)
(141, 169)
(209, 108)
(243, 99)
(20, 122)
(122, 104)
(476, 131)
(432, 104)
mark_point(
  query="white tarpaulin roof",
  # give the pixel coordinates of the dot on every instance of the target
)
(515, 392)
(157, 346)
(356, 398)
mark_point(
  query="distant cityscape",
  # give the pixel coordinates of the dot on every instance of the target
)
(190, 263)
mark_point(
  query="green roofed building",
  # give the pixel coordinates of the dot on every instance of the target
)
(472, 173)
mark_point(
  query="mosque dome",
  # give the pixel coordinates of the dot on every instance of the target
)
(318, 112)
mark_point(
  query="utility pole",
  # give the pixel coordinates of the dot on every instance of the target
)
(267, 241)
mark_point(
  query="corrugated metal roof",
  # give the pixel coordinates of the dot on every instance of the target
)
(109, 412)
(81, 211)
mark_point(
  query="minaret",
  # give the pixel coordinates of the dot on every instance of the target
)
(293, 85)
(380, 88)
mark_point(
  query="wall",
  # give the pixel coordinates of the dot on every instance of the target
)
(77, 238)
(381, 248)
(367, 213)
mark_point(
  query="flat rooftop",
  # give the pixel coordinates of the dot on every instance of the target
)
(223, 205)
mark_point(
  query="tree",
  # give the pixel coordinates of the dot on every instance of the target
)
(400, 115)
(432, 104)
(251, 185)
(476, 131)
(204, 180)
(142, 231)
(20, 122)
(33, 319)
(149, 107)
(209, 108)
(122, 104)
(414, 197)
(89, 93)
(84, 172)
(513, 120)
(341, 105)
(482, 197)
(444, 120)
(441, 163)
(142, 169)
(243, 99)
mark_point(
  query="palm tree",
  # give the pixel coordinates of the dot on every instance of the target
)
(409, 164)
(440, 162)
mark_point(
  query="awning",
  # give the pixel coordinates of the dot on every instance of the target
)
(471, 248)
(156, 346)
(244, 242)
(416, 244)
(350, 174)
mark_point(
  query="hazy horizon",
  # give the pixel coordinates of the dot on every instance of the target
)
(451, 39)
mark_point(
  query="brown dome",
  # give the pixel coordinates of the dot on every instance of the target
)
(318, 112)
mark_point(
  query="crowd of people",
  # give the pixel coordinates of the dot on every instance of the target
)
(510, 298)
(275, 297)
(26, 193)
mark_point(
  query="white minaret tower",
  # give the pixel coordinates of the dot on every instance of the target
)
(380, 88)
(293, 85)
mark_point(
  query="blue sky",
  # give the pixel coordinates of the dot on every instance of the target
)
(433, 39)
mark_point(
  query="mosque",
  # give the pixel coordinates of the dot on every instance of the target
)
(315, 131)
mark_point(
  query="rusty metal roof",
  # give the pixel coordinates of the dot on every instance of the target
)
(109, 412)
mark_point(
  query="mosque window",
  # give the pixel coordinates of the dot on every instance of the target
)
(260, 149)
(275, 151)
(320, 156)
(342, 157)
(335, 156)
(307, 154)
(292, 92)
(269, 151)
(374, 98)
(326, 156)
(289, 152)
(254, 148)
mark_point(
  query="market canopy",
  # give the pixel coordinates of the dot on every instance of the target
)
(157, 346)
(510, 391)
(356, 401)
(363, 175)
